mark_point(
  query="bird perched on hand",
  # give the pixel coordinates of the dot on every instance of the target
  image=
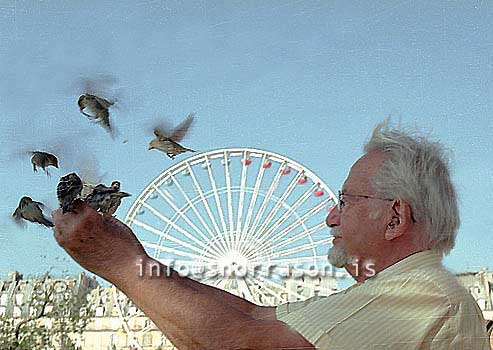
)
(168, 142)
(43, 160)
(31, 211)
(68, 190)
(96, 108)
(106, 199)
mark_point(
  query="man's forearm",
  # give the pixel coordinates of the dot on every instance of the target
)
(197, 316)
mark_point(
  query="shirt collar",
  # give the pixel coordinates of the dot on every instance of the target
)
(420, 260)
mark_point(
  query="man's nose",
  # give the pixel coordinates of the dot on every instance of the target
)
(333, 219)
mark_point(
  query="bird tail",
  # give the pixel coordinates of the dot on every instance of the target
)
(46, 222)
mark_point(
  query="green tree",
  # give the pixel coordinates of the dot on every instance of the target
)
(57, 312)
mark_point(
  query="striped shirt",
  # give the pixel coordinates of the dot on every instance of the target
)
(415, 304)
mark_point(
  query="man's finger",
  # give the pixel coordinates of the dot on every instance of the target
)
(56, 214)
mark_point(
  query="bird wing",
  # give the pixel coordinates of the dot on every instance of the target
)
(52, 159)
(103, 102)
(39, 204)
(100, 189)
(160, 133)
(32, 212)
(181, 130)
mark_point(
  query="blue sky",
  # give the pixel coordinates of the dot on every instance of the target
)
(306, 79)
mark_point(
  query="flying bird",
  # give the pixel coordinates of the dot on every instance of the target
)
(68, 190)
(43, 160)
(106, 199)
(96, 108)
(168, 142)
(31, 211)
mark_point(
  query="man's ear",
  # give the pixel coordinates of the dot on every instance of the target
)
(400, 221)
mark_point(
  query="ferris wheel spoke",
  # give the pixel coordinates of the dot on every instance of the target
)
(285, 216)
(172, 239)
(267, 197)
(174, 251)
(270, 191)
(175, 262)
(244, 289)
(229, 200)
(301, 248)
(164, 194)
(194, 209)
(206, 204)
(241, 200)
(218, 206)
(253, 200)
(293, 261)
(279, 203)
(289, 212)
(291, 227)
(303, 234)
(211, 280)
(177, 228)
(181, 214)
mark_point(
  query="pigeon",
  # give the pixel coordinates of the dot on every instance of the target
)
(31, 211)
(96, 108)
(43, 160)
(106, 199)
(68, 190)
(168, 143)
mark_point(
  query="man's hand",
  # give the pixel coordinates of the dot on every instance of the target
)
(102, 245)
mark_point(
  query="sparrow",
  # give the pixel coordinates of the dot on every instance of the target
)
(68, 189)
(106, 199)
(43, 160)
(168, 143)
(31, 211)
(96, 108)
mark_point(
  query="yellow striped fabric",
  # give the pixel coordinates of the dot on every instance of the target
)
(414, 304)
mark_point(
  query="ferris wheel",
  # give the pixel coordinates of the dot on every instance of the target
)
(240, 219)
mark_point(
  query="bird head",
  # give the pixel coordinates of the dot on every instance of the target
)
(153, 144)
(80, 101)
(55, 162)
(72, 177)
(25, 201)
(116, 185)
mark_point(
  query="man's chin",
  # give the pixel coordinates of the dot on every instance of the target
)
(337, 257)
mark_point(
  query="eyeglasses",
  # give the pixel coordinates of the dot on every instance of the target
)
(341, 203)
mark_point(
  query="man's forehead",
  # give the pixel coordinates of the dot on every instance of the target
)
(363, 170)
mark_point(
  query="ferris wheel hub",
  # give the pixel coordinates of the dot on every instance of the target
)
(232, 263)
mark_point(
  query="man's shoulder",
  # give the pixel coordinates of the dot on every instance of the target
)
(434, 281)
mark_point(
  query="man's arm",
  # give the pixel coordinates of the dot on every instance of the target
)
(192, 315)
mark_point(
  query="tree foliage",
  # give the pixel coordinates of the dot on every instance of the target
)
(57, 315)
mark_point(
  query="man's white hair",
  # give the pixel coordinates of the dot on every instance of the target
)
(417, 171)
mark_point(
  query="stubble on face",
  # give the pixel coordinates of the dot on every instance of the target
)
(337, 255)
